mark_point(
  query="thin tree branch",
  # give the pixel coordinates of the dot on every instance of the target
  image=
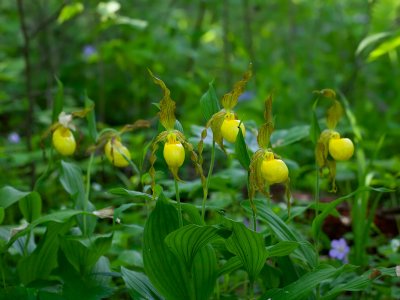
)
(47, 21)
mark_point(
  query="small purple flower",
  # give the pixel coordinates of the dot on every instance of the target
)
(339, 249)
(14, 138)
(88, 51)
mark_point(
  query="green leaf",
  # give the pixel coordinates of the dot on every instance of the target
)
(330, 208)
(249, 246)
(58, 217)
(188, 240)
(231, 265)
(209, 103)
(10, 195)
(130, 194)
(72, 181)
(303, 287)
(69, 11)
(31, 206)
(167, 273)
(84, 253)
(283, 232)
(365, 42)
(284, 137)
(241, 151)
(384, 48)
(40, 263)
(138, 284)
(91, 119)
(178, 126)
(1, 214)
(58, 101)
(357, 284)
(282, 248)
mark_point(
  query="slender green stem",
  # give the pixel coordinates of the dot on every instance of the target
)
(205, 193)
(46, 172)
(178, 200)
(316, 200)
(251, 290)
(87, 192)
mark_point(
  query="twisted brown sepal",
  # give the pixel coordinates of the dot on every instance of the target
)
(230, 99)
(167, 105)
(265, 131)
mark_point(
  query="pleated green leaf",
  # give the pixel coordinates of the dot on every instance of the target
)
(249, 246)
(130, 194)
(283, 232)
(357, 284)
(165, 270)
(139, 285)
(209, 103)
(304, 286)
(84, 253)
(40, 263)
(241, 151)
(31, 206)
(282, 248)
(231, 265)
(72, 180)
(188, 240)
(10, 195)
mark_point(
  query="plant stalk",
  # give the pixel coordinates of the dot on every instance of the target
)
(210, 170)
(178, 200)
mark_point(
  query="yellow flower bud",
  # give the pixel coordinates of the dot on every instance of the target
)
(174, 153)
(115, 153)
(340, 148)
(64, 141)
(274, 170)
(230, 128)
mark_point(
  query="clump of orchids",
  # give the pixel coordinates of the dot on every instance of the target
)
(330, 147)
(266, 167)
(174, 141)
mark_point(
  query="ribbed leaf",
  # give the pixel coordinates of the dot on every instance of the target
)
(241, 151)
(58, 217)
(72, 181)
(330, 208)
(282, 248)
(130, 194)
(209, 103)
(166, 272)
(249, 246)
(365, 42)
(40, 263)
(231, 265)
(284, 137)
(283, 232)
(31, 206)
(84, 253)
(138, 284)
(357, 284)
(303, 287)
(188, 240)
(10, 195)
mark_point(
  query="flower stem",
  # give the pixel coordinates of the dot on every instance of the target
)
(210, 170)
(178, 200)
(87, 192)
